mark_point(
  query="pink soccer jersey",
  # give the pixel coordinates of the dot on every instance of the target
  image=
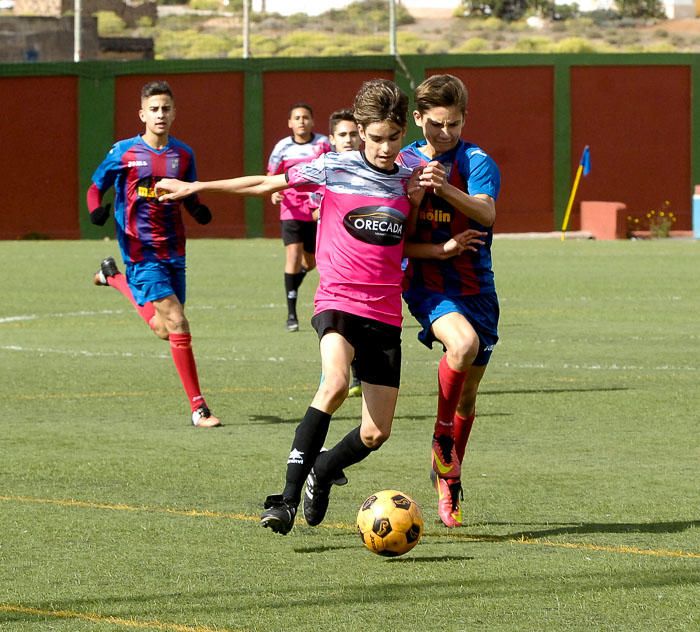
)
(286, 154)
(360, 236)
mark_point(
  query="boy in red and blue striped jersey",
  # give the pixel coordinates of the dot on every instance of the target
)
(151, 234)
(454, 300)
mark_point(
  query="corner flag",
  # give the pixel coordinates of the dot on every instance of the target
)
(584, 166)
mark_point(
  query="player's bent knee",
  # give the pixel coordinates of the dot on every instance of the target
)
(334, 389)
(374, 438)
(462, 353)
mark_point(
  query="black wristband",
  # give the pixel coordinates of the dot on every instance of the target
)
(201, 214)
(99, 215)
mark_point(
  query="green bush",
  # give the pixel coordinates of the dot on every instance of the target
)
(296, 51)
(371, 44)
(473, 45)
(337, 51)
(109, 23)
(374, 12)
(191, 44)
(205, 5)
(660, 47)
(535, 44)
(297, 21)
(263, 46)
(411, 44)
(310, 40)
(573, 45)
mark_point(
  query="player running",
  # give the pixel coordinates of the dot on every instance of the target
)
(455, 300)
(344, 136)
(151, 233)
(297, 207)
(364, 218)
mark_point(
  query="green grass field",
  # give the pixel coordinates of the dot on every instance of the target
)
(581, 483)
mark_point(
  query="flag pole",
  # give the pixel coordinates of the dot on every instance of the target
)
(571, 201)
(583, 168)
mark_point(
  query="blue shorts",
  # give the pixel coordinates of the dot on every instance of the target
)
(480, 310)
(154, 280)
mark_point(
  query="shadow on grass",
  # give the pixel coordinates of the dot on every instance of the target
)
(429, 558)
(274, 420)
(529, 391)
(579, 529)
(324, 548)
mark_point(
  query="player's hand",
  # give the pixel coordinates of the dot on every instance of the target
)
(201, 214)
(172, 189)
(433, 176)
(99, 215)
(468, 240)
(414, 190)
(276, 197)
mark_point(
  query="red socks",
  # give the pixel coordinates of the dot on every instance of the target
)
(450, 383)
(118, 282)
(462, 428)
(181, 350)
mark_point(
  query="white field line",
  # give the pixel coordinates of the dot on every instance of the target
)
(25, 317)
(511, 365)
(528, 366)
(595, 367)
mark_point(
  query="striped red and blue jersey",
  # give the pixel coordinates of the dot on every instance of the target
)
(470, 169)
(147, 230)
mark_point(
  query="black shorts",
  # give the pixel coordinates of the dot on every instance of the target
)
(377, 345)
(295, 231)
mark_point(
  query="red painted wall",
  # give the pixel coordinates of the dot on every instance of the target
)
(209, 118)
(324, 91)
(510, 115)
(637, 122)
(636, 119)
(38, 157)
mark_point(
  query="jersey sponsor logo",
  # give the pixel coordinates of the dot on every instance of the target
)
(137, 163)
(435, 215)
(145, 188)
(376, 225)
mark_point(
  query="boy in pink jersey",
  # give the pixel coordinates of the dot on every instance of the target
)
(344, 136)
(297, 206)
(357, 314)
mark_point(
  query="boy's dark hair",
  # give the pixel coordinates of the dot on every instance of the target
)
(337, 116)
(380, 100)
(153, 88)
(441, 91)
(301, 104)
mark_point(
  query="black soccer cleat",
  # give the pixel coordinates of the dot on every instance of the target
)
(292, 323)
(317, 495)
(108, 268)
(278, 515)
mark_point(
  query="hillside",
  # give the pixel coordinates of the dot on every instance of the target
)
(182, 32)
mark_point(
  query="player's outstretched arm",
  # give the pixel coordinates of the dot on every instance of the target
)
(172, 189)
(469, 240)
